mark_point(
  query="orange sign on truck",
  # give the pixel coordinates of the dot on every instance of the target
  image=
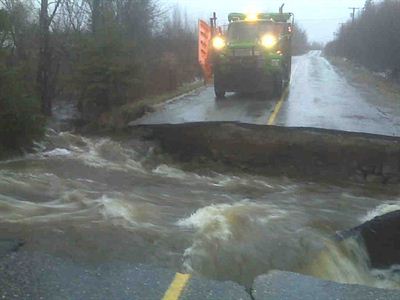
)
(205, 34)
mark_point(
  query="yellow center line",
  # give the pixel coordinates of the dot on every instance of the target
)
(272, 118)
(176, 288)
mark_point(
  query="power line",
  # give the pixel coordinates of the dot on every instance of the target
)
(320, 19)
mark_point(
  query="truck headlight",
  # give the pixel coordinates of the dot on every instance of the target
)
(218, 43)
(269, 41)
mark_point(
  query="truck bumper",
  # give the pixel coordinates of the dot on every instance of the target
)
(245, 77)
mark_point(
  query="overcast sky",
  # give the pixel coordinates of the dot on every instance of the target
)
(320, 18)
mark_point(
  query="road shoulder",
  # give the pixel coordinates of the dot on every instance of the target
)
(279, 285)
(384, 92)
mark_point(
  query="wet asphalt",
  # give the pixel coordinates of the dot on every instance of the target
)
(27, 275)
(319, 96)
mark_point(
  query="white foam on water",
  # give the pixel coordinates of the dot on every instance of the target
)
(381, 210)
(57, 152)
(20, 211)
(210, 216)
(223, 226)
(97, 153)
(115, 209)
(170, 172)
(227, 181)
(387, 278)
(348, 262)
(109, 155)
(39, 185)
(123, 211)
(223, 214)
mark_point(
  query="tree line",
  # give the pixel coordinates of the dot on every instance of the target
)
(300, 42)
(101, 53)
(372, 39)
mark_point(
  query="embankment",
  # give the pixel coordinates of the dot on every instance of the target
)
(306, 153)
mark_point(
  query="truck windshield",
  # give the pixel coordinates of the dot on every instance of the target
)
(246, 31)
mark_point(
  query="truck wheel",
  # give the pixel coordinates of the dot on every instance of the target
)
(289, 70)
(219, 94)
(287, 73)
(219, 91)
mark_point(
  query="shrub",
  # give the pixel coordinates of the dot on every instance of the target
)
(20, 119)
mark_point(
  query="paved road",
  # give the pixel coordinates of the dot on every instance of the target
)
(201, 106)
(319, 96)
(35, 275)
(26, 275)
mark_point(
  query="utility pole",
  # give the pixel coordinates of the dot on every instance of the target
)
(353, 14)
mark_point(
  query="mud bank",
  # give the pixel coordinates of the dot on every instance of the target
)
(306, 153)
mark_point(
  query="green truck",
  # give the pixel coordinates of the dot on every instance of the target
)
(253, 54)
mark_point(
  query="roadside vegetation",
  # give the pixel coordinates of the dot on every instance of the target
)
(20, 118)
(108, 57)
(300, 42)
(99, 54)
(373, 39)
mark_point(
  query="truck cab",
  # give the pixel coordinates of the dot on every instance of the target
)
(253, 54)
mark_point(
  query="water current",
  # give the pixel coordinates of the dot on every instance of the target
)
(95, 200)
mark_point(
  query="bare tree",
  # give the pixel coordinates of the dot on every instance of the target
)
(96, 4)
(19, 16)
(5, 29)
(73, 15)
(45, 78)
(372, 39)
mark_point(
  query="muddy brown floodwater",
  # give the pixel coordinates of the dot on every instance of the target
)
(100, 200)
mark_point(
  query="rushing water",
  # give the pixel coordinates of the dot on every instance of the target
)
(97, 199)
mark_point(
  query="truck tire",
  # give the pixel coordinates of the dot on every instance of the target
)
(279, 86)
(219, 94)
(287, 72)
(218, 89)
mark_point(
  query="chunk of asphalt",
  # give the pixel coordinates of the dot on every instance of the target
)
(279, 285)
(381, 237)
(204, 289)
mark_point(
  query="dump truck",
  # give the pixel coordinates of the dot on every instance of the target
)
(250, 54)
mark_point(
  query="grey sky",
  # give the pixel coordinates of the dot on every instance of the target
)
(320, 18)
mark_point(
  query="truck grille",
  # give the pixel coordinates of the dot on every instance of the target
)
(248, 61)
(243, 52)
